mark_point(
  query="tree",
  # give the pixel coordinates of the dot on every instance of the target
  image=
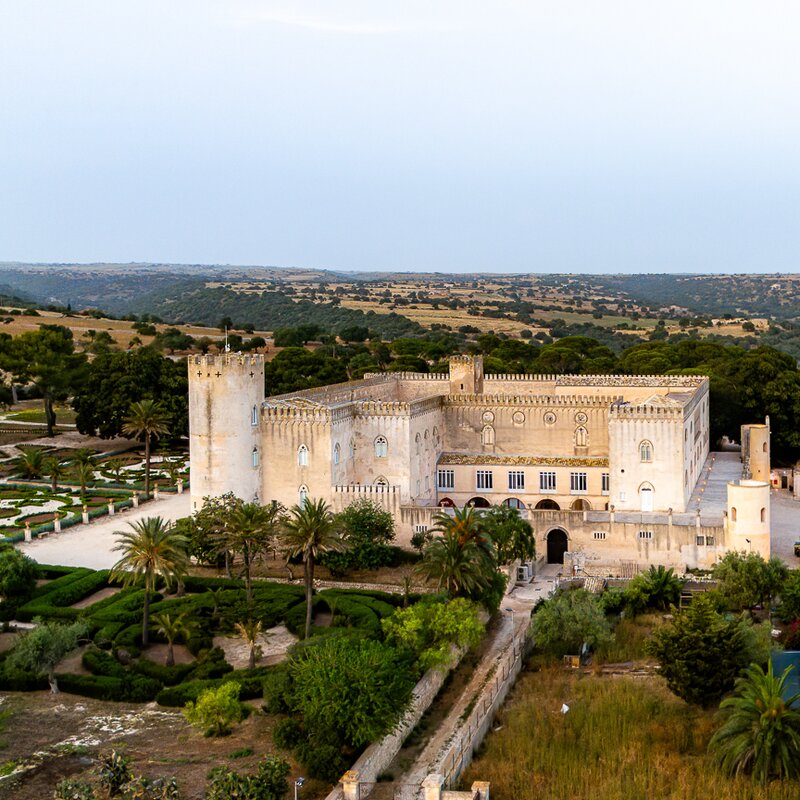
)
(701, 652)
(657, 588)
(430, 629)
(250, 631)
(512, 536)
(566, 621)
(352, 691)
(459, 568)
(39, 650)
(18, 575)
(367, 531)
(746, 580)
(310, 531)
(268, 783)
(216, 709)
(84, 474)
(151, 550)
(146, 420)
(47, 359)
(56, 469)
(115, 380)
(204, 530)
(761, 731)
(30, 462)
(248, 530)
(172, 628)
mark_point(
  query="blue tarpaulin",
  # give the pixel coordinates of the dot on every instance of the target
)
(788, 658)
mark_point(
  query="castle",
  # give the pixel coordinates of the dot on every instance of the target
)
(613, 472)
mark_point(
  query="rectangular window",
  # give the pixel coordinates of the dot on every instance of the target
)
(255, 457)
(599, 535)
(446, 479)
(420, 528)
(605, 483)
(710, 541)
(485, 479)
(700, 541)
(547, 481)
(645, 534)
(577, 482)
(516, 480)
(417, 487)
(254, 416)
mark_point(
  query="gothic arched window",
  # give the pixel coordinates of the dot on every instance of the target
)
(581, 437)
(302, 456)
(302, 496)
(381, 447)
(337, 452)
(645, 452)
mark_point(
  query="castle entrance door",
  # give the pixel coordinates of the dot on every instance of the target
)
(557, 545)
(646, 499)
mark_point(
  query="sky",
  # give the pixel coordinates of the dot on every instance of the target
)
(509, 136)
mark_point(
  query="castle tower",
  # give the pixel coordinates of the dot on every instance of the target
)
(756, 451)
(466, 374)
(225, 397)
(748, 516)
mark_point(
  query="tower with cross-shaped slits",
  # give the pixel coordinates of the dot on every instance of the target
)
(225, 397)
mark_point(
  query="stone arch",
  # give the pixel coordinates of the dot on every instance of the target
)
(479, 502)
(581, 436)
(446, 502)
(646, 495)
(487, 435)
(514, 502)
(302, 495)
(381, 481)
(645, 451)
(580, 504)
(557, 545)
(548, 505)
(381, 447)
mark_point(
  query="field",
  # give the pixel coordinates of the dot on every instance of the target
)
(623, 738)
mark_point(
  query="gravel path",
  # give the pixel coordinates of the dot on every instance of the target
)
(92, 545)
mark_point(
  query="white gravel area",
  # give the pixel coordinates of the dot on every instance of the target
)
(92, 545)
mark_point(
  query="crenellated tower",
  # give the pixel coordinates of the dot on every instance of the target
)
(225, 397)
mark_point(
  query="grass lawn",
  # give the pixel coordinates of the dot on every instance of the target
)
(64, 416)
(623, 738)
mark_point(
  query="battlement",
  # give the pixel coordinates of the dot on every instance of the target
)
(226, 361)
(645, 411)
(547, 400)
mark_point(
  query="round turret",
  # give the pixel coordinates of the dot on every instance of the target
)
(748, 516)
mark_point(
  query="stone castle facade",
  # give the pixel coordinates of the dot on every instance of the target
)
(603, 466)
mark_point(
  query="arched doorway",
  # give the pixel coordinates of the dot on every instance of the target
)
(446, 502)
(557, 545)
(479, 502)
(548, 504)
(646, 499)
(581, 505)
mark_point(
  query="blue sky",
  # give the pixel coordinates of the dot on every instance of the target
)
(454, 136)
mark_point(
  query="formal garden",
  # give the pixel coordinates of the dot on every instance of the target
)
(672, 702)
(324, 672)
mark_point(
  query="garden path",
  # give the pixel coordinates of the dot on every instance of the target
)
(92, 545)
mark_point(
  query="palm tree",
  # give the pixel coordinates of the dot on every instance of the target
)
(250, 631)
(146, 419)
(30, 462)
(663, 586)
(84, 474)
(761, 732)
(310, 531)
(465, 524)
(151, 550)
(173, 628)
(83, 455)
(56, 470)
(114, 466)
(458, 569)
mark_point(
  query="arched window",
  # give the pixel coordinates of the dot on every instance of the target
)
(581, 437)
(733, 513)
(254, 415)
(763, 514)
(764, 447)
(487, 435)
(352, 449)
(381, 447)
(255, 457)
(302, 455)
(381, 481)
(435, 436)
(645, 452)
(337, 452)
(417, 441)
(514, 502)
(302, 496)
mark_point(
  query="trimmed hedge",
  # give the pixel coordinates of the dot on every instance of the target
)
(251, 682)
(62, 593)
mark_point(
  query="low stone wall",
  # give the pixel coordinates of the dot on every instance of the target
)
(471, 732)
(378, 756)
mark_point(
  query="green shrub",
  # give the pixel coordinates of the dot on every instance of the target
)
(130, 688)
(55, 602)
(216, 709)
(322, 761)
(114, 772)
(288, 734)
(278, 690)
(268, 783)
(72, 789)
